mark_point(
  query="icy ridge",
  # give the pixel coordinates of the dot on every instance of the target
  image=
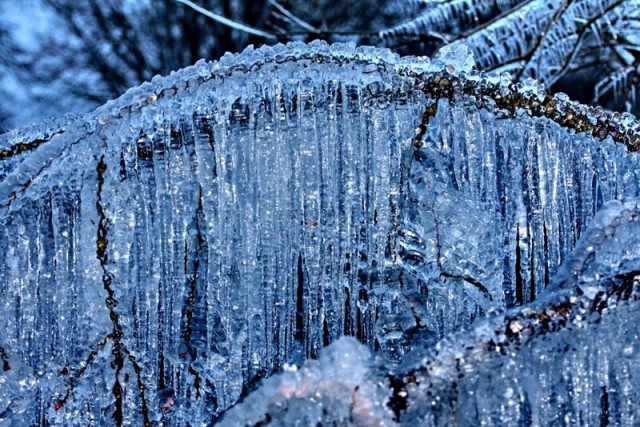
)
(454, 60)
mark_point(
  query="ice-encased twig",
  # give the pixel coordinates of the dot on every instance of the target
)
(506, 95)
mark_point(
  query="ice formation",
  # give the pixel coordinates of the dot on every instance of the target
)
(163, 254)
(339, 388)
(567, 359)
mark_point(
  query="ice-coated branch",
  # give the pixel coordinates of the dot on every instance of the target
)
(505, 94)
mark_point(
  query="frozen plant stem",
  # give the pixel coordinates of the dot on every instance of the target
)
(119, 349)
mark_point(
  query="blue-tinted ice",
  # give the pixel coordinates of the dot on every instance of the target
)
(163, 254)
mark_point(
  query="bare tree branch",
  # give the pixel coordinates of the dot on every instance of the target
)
(228, 22)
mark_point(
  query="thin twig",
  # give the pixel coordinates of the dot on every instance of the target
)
(228, 22)
(293, 18)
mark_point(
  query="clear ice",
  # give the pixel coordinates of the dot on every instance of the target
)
(164, 254)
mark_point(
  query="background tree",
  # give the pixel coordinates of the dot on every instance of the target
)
(6, 51)
(94, 50)
(100, 48)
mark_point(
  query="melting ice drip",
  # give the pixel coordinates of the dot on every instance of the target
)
(164, 253)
